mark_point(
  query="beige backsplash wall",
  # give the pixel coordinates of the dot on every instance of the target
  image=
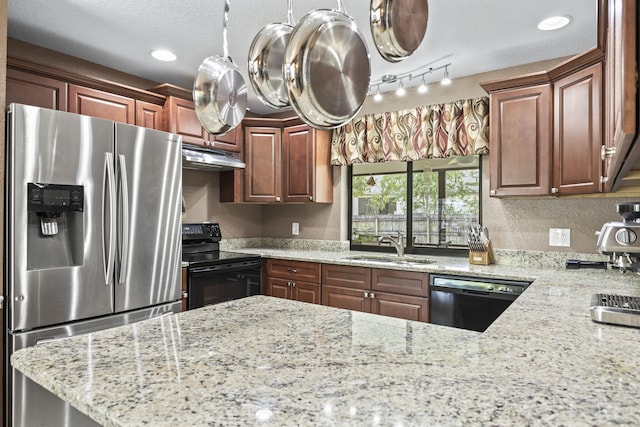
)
(524, 223)
(201, 193)
(521, 223)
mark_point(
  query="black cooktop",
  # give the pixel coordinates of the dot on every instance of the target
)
(217, 257)
(200, 246)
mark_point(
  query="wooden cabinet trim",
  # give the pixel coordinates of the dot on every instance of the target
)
(98, 103)
(401, 306)
(32, 89)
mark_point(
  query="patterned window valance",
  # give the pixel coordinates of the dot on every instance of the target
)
(455, 129)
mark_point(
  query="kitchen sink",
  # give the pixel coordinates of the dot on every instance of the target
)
(389, 259)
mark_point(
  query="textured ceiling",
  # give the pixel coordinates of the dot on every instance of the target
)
(473, 35)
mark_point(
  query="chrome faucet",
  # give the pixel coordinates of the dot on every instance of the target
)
(397, 242)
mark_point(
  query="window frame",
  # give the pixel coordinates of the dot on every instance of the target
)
(460, 251)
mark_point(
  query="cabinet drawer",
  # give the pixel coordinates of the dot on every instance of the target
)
(400, 282)
(294, 270)
(346, 276)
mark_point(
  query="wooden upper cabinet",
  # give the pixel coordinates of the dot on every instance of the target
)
(306, 170)
(97, 103)
(231, 141)
(578, 132)
(262, 179)
(149, 115)
(621, 109)
(31, 89)
(521, 137)
(180, 118)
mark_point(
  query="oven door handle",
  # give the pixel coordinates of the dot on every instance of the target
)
(241, 266)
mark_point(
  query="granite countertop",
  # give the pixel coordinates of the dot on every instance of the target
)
(269, 361)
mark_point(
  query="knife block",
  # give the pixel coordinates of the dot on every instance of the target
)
(482, 258)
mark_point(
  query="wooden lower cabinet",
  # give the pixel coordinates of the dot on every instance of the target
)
(346, 298)
(295, 280)
(394, 293)
(402, 306)
(184, 289)
(297, 291)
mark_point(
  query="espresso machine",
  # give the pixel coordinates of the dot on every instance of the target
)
(620, 240)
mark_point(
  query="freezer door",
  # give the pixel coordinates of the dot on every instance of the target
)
(29, 404)
(56, 278)
(149, 182)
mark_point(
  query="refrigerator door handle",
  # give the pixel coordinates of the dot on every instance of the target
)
(124, 235)
(108, 255)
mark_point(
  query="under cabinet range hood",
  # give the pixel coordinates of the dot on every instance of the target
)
(207, 159)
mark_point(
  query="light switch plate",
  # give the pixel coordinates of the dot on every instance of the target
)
(560, 237)
(295, 228)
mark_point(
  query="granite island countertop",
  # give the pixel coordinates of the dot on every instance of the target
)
(269, 361)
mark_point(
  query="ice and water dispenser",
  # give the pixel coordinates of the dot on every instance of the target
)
(55, 233)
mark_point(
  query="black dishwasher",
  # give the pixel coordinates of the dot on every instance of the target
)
(471, 303)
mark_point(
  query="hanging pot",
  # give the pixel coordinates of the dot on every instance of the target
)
(398, 26)
(219, 90)
(266, 57)
(326, 68)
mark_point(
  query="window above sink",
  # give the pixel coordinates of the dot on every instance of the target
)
(443, 196)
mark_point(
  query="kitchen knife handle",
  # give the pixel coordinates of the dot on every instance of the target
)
(108, 192)
(124, 236)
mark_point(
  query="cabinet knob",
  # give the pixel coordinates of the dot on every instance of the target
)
(1, 302)
(293, 284)
(372, 295)
(185, 295)
(366, 294)
(292, 270)
(277, 198)
(311, 198)
(493, 192)
(554, 190)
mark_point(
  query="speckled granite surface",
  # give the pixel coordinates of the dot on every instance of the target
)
(267, 361)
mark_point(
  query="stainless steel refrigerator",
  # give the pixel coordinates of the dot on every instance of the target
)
(92, 219)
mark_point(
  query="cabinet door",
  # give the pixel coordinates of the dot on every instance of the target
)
(578, 132)
(231, 141)
(180, 118)
(346, 276)
(30, 89)
(262, 156)
(401, 306)
(148, 115)
(400, 282)
(96, 103)
(298, 164)
(346, 298)
(521, 138)
(278, 288)
(306, 292)
(620, 91)
(293, 270)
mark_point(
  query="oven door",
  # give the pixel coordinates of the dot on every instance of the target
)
(224, 282)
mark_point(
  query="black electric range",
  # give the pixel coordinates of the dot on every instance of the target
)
(215, 276)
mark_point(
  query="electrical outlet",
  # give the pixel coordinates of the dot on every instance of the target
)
(295, 228)
(560, 237)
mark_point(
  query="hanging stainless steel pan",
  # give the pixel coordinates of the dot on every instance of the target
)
(219, 90)
(326, 68)
(398, 26)
(266, 57)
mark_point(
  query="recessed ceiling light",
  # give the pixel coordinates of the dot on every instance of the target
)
(554, 22)
(163, 55)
